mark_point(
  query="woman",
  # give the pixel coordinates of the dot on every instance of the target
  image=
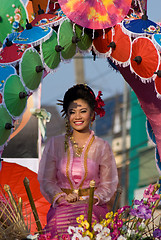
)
(71, 161)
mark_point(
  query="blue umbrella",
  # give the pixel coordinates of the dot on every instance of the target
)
(156, 38)
(6, 71)
(33, 35)
(143, 27)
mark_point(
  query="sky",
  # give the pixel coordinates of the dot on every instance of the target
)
(98, 74)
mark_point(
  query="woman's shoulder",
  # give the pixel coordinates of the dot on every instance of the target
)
(101, 140)
(56, 139)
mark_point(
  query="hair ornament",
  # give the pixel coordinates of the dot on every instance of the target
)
(99, 104)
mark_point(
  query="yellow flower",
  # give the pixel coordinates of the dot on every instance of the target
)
(80, 219)
(85, 224)
(109, 215)
(88, 233)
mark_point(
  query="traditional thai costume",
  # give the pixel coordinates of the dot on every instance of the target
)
(61, 173)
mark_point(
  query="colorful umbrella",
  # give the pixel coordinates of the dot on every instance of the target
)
(5, 125)
(37, 4)
(12, 14)
(145, 58)
(33, 35)
(15, 96)
(13, 175)
(67, 39)
(157, 81)
(95, 14)
(48, 19)
(156, 38)
(50, 52)
(84, 36)
(6, 71)
(121, 47)
(31, 69)
(101, 42)
(140, 27)
(12, 53)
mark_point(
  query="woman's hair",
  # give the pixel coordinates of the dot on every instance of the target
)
(79, 91)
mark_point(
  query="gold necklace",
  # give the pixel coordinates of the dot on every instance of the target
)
(78, 150)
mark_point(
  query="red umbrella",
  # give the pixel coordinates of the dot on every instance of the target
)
(157, 82)
(145, 58)
(101, 41)
(13, 175)
(12, 53)
(121, 47)
(95, 14)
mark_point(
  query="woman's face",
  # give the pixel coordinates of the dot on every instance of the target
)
(79, 115)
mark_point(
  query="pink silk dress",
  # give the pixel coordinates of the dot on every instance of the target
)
(59, 169)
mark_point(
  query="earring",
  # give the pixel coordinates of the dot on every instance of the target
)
(92, 121)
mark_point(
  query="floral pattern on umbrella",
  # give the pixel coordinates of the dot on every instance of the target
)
(95, 14)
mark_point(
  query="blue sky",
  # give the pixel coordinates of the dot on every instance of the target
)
(97, 73)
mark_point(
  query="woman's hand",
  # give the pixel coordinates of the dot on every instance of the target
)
(72, 197)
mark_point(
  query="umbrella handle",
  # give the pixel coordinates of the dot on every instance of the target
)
(90, 206)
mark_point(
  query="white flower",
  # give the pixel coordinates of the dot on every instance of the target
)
(79, 230)
(71, 230)
(98, 227)
(13, 5)
(130, 232)
(77, 236)
(105, 231)
(86, 238)
(142, 226)
(121, 238)
(99, 236)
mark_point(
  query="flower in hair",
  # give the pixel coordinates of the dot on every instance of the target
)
(99, 104)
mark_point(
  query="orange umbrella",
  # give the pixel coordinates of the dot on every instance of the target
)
(145, 58)
(121, 47)
(37, 4)
(13, 175)
(101, 41)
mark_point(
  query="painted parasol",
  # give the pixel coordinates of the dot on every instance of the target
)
(33, 35)
(157, 82)
(95, 14)
(15, 96)
(101, 42)
(67, 39)
(156, 38)
(84, 36)
(47, 19)
(121, 47)
(145, 58)
(12, 14)
(6, 125)
(12, 53)
(6, 71)
(140, 27)
(31, 69)
(13, 175)
(50, 52)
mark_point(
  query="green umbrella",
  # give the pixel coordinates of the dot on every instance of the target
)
(51, 52)
(31, 69)
(15, 96)
(12, 13)
(85, 37)
(5, 125)
(67, 39)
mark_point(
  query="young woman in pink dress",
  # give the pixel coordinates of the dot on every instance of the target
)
(72, 160)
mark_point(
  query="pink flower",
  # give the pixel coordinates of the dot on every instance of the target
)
(17, 17)
(17, 10)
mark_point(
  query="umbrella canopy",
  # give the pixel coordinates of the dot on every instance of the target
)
(5, 125)
(15, 96)
(121, 47)
(47, 19)
(156, 38)
(12, 53)
(12, 14)
(6, 71)
(13, 175)
(157, 82)
(67, 39)
(140, 27)
(33, 35)
(145, 58)
(31, 69)
(101, 42)
(84, 36)
(50, 52)
(95, 14)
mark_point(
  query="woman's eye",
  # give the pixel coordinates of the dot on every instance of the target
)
(83, 111)
(71, 112)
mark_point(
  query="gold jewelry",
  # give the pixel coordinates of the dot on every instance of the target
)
(78, 150)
